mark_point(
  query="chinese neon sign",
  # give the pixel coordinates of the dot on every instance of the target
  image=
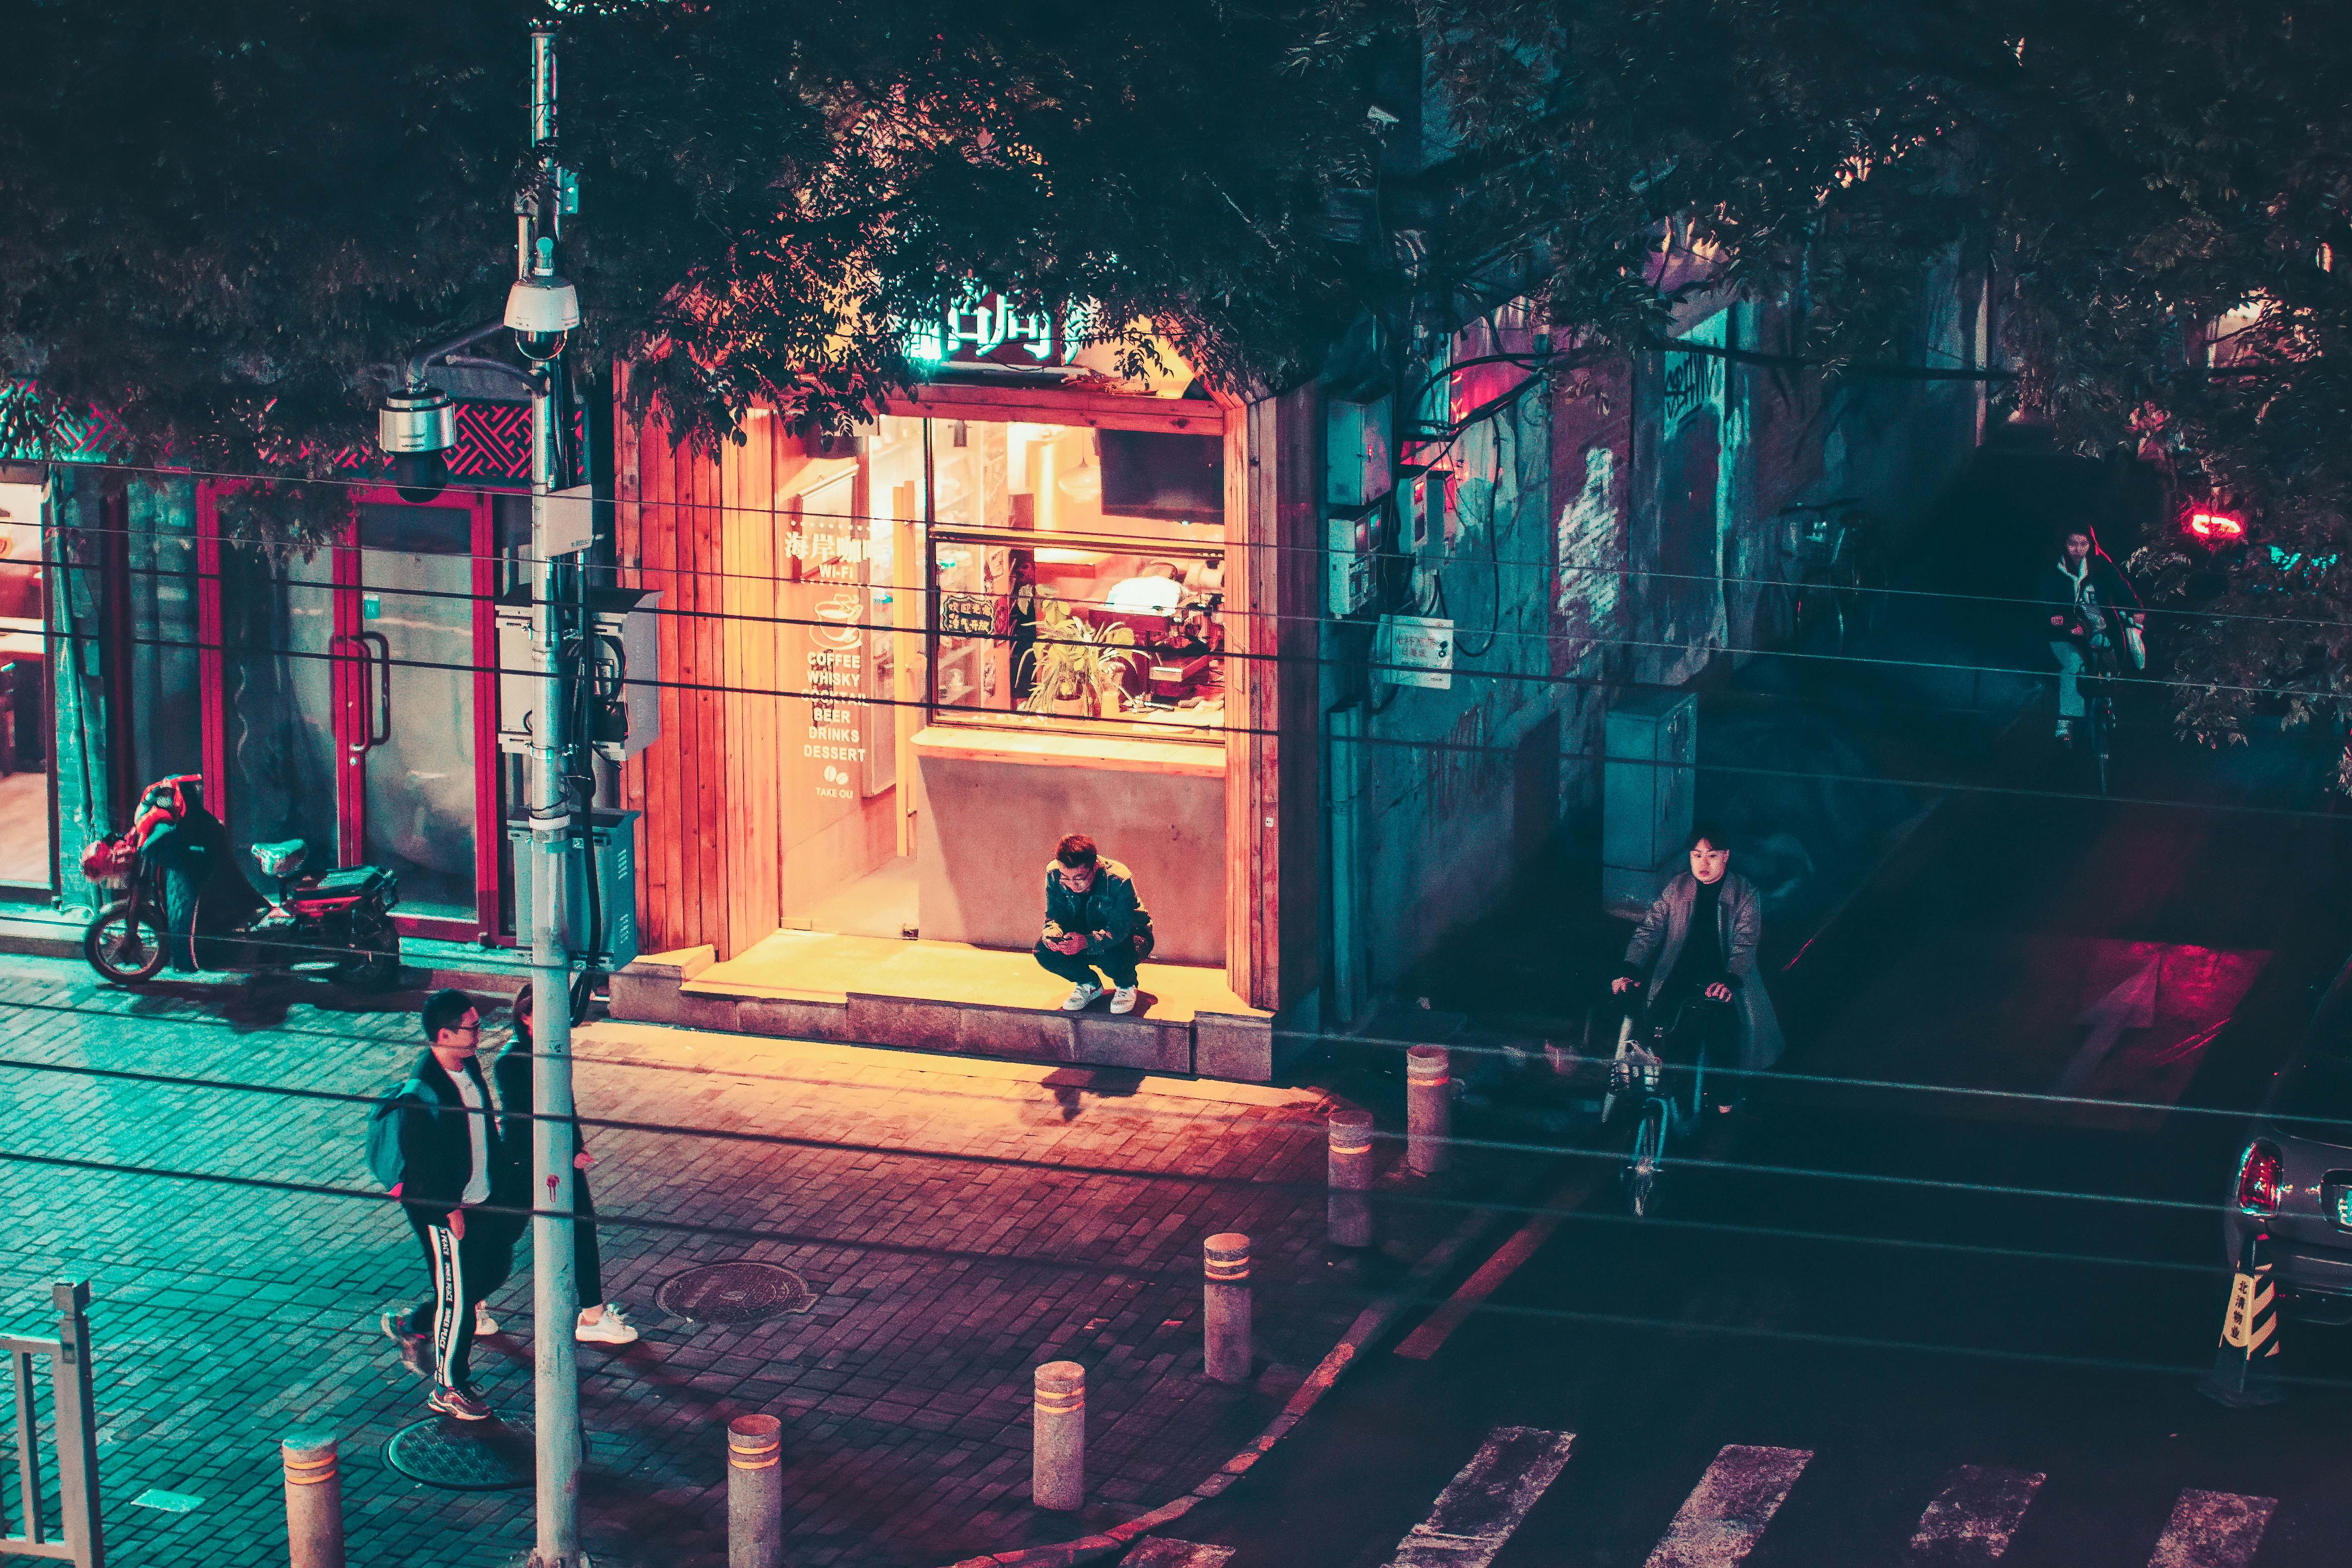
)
(991, 327)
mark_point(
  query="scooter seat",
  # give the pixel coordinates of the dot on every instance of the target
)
(281, 859)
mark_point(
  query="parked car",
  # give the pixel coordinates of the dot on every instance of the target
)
(2293, 1180)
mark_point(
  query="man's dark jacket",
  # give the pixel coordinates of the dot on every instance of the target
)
(437, 1150)
(1107, 913)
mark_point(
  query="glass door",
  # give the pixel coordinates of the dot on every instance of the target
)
(348, 699)
(414, 688)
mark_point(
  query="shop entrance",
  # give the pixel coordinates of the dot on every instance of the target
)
(992, 632)
(26, 844)
(352, 703)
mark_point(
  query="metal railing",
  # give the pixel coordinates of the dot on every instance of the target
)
(75, 1429)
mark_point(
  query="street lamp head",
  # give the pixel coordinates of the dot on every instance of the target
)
(542, 308)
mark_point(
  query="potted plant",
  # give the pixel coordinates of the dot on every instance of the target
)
(1079, 668)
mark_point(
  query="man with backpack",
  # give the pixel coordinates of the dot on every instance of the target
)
(435, 1143)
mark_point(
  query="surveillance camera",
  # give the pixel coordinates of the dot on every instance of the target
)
(416, 418)
(419, 477)
(542, 308)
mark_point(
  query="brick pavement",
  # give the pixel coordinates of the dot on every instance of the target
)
(960, 1221)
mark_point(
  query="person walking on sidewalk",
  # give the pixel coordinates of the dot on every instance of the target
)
(600, 1322)
(2086, 599)
(449, 1149)
(1094, 920)
(1699, 939)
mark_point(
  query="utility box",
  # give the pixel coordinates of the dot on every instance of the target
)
(1355, 453)
(1650, 753)
(612, 840)
(625, 644)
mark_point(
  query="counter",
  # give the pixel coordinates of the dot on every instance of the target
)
(996, 801)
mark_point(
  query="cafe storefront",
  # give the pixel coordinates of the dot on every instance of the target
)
(1024, 599)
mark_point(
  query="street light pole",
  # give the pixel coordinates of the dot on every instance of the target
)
(555, 1291)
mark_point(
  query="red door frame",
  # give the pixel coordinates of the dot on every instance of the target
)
(353, 692)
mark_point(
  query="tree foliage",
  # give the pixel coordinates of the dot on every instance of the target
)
(213, 219)
(2131, 172)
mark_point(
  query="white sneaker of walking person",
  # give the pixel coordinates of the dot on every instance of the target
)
(462, 1403)
(484, 1324)
(1123, 999)
(1080, 999)
(608, 1327)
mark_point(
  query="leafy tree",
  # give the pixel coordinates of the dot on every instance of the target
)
(2134, 170)
(213, 217)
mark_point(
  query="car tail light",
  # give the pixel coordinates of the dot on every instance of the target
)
(2260, 1177)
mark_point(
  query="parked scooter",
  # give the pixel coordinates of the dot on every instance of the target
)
(181, 896)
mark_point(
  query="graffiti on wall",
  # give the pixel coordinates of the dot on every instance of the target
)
(1591, 554)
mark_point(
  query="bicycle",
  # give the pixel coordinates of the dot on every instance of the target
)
(1834, 573)
(1641, 1065)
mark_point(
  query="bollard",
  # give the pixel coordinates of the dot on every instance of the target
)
(314, 1499)
(2245, 1367)
(1428, 1108)
(1351, 1178)
(1058, 1466)
(755, 1492)
(1226, 1307)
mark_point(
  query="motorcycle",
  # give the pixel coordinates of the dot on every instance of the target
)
(182, 894)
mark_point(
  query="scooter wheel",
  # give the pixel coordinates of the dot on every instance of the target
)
(123, 948)
(377, 967)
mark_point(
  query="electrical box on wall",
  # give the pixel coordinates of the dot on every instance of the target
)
(611, 837)
(625, 654)
(1355, 453)
(1650, 746)
(1349, 557)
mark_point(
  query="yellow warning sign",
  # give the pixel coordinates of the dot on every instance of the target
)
(2237, 1324)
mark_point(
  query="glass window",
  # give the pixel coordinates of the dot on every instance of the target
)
(1077, 578)
(1089, 633)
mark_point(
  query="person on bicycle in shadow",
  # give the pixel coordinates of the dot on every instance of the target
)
(2087, 597)
(1698, 941)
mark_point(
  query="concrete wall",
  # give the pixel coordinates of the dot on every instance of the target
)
(989, 827)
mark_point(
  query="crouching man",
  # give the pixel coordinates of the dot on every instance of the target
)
(1094, 922)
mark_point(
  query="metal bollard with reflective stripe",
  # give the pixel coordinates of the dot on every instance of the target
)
(1057, 1474)
(1226, 1307)
(755, 1492)
(314, 1499)
(1428, 1108)
(1350, 1210)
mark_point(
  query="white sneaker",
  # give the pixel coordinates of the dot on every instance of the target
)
(1123, 999)
(483, 1323)
(1082, 998)
(612, 1328)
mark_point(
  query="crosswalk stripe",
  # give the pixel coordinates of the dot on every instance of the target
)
(1161, 1552)
(1719, 1521)
(2213, 1529)
(1970, 1521)
(1480, 1507)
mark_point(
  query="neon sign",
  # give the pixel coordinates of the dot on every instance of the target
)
(989, 327)
(2216, 527)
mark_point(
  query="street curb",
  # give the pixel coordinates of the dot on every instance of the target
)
(1369, 1325)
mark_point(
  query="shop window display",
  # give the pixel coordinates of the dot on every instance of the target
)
(1052, 608)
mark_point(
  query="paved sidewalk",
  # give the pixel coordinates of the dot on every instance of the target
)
(959, 1222)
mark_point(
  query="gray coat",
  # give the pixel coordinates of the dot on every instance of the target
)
(1661, 936)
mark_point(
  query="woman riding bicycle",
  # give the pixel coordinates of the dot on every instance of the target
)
(1698, 941)
(2087, 599)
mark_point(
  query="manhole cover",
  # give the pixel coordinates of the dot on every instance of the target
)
(464, 1455)
(734, 1293)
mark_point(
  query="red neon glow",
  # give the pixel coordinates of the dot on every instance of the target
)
(2216, 525)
